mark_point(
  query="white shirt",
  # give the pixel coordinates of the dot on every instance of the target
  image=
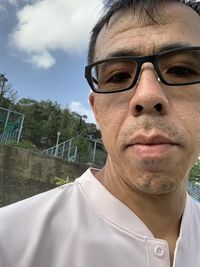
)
(82, 225)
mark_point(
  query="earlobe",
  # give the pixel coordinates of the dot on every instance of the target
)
(93, 106)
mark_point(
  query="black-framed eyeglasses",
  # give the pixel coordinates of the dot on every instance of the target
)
(175, 67)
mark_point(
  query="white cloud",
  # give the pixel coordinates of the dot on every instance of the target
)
(80, 109)
(49, 25)
(12, 2)
(42, 59)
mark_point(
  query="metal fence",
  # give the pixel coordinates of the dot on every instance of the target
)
(81, 150)
(11, 124)
(194, 189)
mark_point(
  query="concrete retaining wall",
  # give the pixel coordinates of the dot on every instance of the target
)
(24, 173)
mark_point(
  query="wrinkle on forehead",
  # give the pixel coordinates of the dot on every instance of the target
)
(123, 19)
(172, 19)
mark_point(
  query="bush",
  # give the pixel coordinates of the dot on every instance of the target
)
(23, 144)
(60, 181)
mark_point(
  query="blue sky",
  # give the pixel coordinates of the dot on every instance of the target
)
(43, 49)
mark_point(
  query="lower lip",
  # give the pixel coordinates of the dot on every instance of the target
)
(152, 151)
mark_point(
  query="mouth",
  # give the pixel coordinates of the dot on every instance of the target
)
(151, 140)
(154, 146)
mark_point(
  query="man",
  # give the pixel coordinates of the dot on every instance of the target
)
(144, 70)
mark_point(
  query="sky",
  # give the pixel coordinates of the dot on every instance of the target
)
(43, 49)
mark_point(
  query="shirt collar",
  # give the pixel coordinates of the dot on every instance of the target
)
(109, 207)
(114, 211)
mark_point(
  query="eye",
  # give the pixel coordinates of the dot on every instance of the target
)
(181, 71)
(119, 77)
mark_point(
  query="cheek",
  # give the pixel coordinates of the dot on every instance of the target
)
(112, 111)
(191, 111)
(188, 110)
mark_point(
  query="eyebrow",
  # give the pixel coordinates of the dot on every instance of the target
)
(173, 46)
(130, 52)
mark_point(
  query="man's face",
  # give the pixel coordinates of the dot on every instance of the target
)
(150, 148)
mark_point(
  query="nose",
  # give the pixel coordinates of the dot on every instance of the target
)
(149, 96)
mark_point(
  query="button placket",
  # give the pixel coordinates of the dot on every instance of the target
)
(159, 251)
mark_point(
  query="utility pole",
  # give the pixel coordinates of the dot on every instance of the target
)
(57, 143)
(81, 117)
(3, 80)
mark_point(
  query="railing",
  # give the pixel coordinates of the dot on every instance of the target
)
(9, 134)
(80, 149)
(194, 190)
(65, 150)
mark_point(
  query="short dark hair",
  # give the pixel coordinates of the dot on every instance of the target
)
(147, 7)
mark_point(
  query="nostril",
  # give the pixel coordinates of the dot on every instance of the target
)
(158, 107)
(139, 108)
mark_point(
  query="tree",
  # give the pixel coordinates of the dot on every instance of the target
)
(93, 132)
(42, 119)
(83, 147)
(8, 96)
(68, 125)
(195, 172)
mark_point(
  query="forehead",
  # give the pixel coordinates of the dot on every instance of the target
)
(176, 23)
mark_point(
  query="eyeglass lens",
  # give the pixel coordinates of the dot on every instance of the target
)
(175, 68)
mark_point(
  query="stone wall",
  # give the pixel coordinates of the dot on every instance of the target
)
(24, 173)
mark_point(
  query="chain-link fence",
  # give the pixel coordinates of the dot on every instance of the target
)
(11, 124)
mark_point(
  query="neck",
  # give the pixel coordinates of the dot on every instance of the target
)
(162, 214)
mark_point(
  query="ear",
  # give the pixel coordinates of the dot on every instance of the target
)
(92, 101)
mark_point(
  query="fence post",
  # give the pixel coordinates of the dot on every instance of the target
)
(69, 149)
(94, 151)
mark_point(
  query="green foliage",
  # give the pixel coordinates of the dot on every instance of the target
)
(8, 96)
(60, 181)
(195, 171)
(23, 144)
(43, 119)
(93, 132)
(83, 149)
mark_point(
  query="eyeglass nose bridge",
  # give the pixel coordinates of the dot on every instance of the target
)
(146, 59)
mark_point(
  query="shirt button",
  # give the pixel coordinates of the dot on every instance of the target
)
(159, 251)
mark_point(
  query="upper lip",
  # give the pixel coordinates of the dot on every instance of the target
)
(151, 140)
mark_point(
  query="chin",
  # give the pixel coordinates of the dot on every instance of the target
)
(153, 185)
